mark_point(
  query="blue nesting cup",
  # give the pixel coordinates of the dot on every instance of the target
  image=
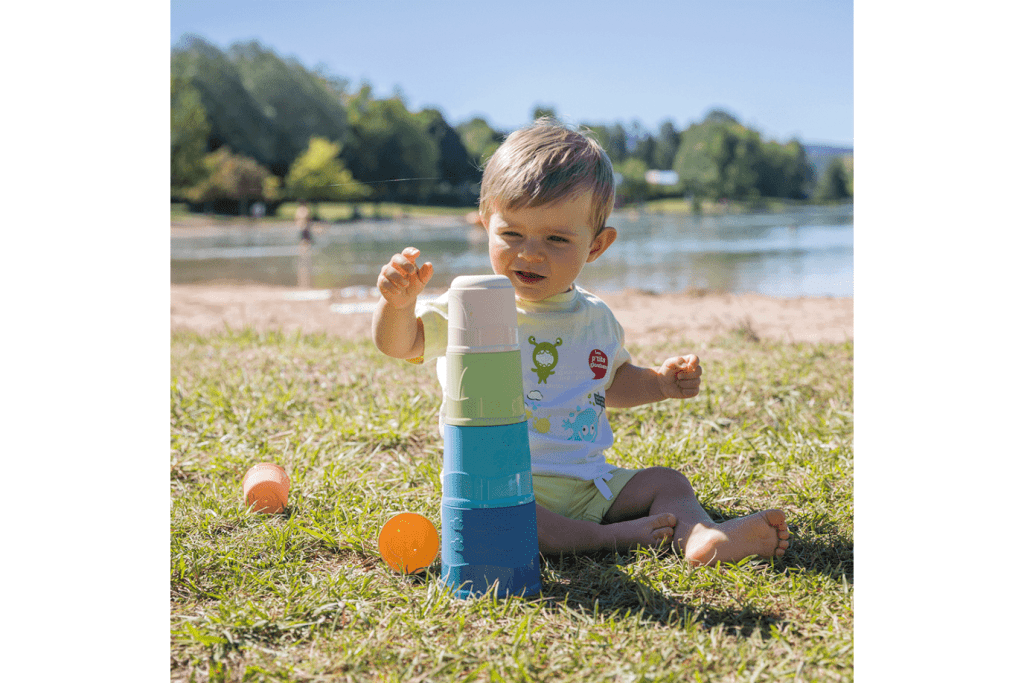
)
(485, 547)
(486, 467)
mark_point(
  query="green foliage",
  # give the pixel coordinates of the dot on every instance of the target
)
(545, 112)
(666, 145)
(233, 177)
(612, 139)
(390, 144)
(189, 130)
(319, 175)
(641, 144)
(721, 158)
(734, 153)
(236, 119)
(718, 158)
(694, 162)
(835, 185)
(783, 170)
(479, 139)
(720, 117)
(268, 109)
(633, 186)
(258, 104)
(298, 104)
(456, 171)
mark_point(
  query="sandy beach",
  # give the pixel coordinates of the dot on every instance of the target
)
(647, 317)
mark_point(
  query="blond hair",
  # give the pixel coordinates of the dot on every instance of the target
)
(548, 162)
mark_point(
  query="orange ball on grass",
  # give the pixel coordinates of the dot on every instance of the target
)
(408, 543)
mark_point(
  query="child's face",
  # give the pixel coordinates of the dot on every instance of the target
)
(542, 249)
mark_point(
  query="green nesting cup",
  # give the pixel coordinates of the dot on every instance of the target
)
(484, 389)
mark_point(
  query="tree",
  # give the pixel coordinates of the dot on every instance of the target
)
(258, 104)
(236, 119)
(666, 144)
(633, 187)
(455, 171)
(612, 139)
(319, 175)
(640, 144)
(232, 182)
(479, 139)
(693, 162)
(390, 149)
(543, 111)
(455, 166)
(189, 131)
(834, 184)
(617, 148)
(721, 158)
(783, 170)
(735, 151)
(298, 103)
(720, 116)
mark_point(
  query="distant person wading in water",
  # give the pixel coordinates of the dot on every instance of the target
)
(303, 223)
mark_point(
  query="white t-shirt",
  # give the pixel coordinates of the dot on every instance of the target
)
(571, 347)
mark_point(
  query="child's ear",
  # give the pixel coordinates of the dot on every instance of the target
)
(601, 243)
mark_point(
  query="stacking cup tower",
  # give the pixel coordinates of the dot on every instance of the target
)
(488, 514)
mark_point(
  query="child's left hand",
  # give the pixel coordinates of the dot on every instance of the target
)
(679, 377)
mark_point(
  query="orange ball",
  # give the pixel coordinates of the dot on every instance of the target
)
(408, 543)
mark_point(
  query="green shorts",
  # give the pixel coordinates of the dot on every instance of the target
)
(578, 498)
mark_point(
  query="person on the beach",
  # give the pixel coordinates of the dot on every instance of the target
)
(545, 197)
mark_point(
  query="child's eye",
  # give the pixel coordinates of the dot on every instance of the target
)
(557, 238)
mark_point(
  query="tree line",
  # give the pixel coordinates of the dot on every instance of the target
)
(247, 126)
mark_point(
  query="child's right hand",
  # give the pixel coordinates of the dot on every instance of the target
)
(400, 281)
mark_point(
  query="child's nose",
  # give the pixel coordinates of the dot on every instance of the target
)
(530, 251)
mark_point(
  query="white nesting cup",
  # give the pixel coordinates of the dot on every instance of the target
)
(482, 315)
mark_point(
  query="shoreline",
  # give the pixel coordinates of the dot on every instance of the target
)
(648, 318)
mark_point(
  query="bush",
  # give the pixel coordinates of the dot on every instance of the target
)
(233, 179)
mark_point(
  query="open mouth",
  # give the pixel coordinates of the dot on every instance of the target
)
(529, 278)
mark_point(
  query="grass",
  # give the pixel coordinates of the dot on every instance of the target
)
(304, 596)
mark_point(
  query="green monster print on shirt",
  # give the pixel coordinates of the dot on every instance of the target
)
(545, 358)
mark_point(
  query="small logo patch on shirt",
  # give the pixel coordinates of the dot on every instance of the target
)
(598, 363)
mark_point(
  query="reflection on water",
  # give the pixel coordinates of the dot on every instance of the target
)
(806, 252)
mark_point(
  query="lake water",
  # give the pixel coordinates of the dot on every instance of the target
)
(802, 252)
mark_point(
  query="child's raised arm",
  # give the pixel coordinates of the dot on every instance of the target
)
(395, 331)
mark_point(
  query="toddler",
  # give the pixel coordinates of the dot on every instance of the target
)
(546, 195)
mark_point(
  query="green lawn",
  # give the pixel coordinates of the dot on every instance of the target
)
(304, 595)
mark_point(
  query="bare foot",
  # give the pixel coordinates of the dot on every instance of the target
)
(645, 532)
(763, 534)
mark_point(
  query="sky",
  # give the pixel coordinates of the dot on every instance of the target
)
(782, 68)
